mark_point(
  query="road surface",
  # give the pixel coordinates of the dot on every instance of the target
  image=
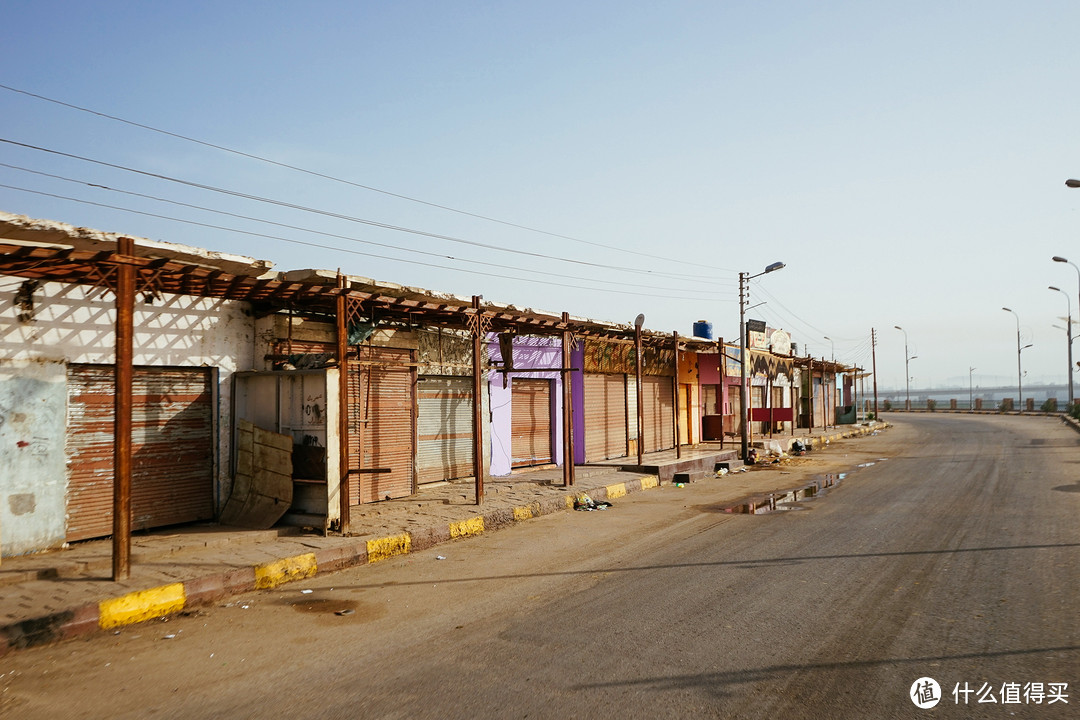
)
(953, 553)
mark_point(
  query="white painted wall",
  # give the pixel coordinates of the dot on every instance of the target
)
(33, 481)
(76, 324)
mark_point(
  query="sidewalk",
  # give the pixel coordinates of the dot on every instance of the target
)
(67, 593)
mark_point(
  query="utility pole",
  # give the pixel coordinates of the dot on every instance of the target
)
(873, 356)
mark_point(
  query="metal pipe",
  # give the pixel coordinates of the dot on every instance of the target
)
(122, 404)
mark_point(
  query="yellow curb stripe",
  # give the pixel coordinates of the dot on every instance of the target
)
(523, 513)
(465, 528)
(142, 605)
(382, 548)
(570, 499)
(616, 491)
(278, 572)
(649, 481)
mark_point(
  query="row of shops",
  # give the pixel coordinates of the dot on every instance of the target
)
(132, 375)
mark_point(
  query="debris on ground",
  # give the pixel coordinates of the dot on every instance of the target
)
(584, 502)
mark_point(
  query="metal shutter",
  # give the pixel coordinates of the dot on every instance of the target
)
(381, 387)
(530, 423)
(444, 428)
(658, 412)
(172, 448)
(605, 416)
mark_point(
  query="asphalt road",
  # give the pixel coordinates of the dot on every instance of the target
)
(952, 553)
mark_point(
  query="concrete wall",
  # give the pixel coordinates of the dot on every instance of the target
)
(76, 324)
(33, 478)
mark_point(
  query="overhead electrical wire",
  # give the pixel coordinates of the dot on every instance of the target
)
(325, 176)
(362, 221)
(328, 247)
(705, 293)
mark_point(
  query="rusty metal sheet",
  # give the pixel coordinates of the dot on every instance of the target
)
(530, 422)
(658, 404)
(605, 416)
(382, 396)
(444, 428)
(172, 448)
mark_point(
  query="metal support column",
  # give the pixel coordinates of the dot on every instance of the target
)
(568, 410)
(477, 397)
(640, 393)
(343, 404)
(678, 445)
(125, 321)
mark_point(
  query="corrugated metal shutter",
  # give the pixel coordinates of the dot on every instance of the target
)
(382, 400)
(172, 448)
(605, 416)
(658, 403)
(530, 424)
(444, 428)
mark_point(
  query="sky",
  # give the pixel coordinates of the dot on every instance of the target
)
(905, 160)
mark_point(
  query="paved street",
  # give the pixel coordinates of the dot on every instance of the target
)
(952, 552)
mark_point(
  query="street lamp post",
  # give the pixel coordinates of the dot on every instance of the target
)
(1019, 373)
(1058, 258)
(744, 278)
(907, 372)
(971, 390)
(1068, 339)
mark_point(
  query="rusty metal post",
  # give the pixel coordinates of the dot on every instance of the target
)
(343, 405)
(721, 375)
(810, 372)
(678, 445)
(640, 396)
(794, 410)
(125, 322)
(478, 428)
(568, 410)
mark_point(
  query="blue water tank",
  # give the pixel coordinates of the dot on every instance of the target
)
(703, 329)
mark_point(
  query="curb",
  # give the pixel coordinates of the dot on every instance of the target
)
(164, 600)
(157, 602)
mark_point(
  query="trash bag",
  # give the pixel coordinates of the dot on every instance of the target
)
(798, 448)
(751, 456)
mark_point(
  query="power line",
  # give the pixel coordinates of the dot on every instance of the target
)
(325, 176)
(426, 253)
(349, 218)
(330, 247)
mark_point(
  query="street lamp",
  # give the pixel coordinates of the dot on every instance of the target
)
(743, 279)
(971, 392)
(1072, 183)
(1058, 258)
(907, 372)
(1068, 339)
(1019, 374)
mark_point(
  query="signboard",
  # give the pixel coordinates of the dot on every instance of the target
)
(780, 342)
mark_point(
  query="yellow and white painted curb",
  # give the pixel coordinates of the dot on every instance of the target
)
(278, 572)
(142, 605)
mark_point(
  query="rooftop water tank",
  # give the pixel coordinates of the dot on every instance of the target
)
(703, 329)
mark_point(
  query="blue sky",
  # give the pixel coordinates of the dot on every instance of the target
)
(905, 160)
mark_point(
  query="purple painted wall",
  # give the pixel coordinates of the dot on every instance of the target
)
(577, 402)
(529, 352)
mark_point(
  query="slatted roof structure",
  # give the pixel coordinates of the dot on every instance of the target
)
(48, 251)
(55, 252)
